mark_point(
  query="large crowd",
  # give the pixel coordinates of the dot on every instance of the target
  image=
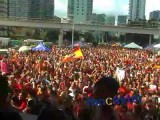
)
(41, 84)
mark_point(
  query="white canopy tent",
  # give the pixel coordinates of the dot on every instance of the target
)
(150, 47)
(133, 45)
(24, 48)
(157, 46)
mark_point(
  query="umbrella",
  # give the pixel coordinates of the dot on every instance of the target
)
(24, 48)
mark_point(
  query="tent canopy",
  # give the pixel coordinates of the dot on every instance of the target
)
(24, 48)
(150, 47)
(40, 47)
(157, 46)
(133, 45)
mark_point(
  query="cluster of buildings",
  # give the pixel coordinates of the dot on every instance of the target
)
(137, 11)
(79, 11)
(155, 15)
(27, 9)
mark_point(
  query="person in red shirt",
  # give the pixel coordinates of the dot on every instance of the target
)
(22, 101)
(1, 57)
(88, 89)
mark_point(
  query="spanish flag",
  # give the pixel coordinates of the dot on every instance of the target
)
(76, 54)
(157, 66)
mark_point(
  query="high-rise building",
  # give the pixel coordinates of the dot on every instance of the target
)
(98, 18)
(155, 15)
(41, 9)
(111, 20)
(3, 8)
(137, 9)
(12, 8)
(3, 14)
(18, 9)
(23, 8)
(80, 11)
(70, 10)
(34, 9)
(122, 20)
(49, 9)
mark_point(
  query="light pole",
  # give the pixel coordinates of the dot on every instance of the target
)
(73, 34)
(150, 39)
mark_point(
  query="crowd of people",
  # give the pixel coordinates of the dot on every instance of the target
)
(41, 84)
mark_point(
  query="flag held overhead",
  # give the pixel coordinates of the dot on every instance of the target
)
(76, 54)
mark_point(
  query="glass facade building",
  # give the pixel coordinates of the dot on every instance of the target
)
(80, 11)
(137, 9)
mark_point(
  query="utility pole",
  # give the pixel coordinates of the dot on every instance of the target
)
(73, 34)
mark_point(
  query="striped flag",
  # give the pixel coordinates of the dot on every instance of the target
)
(76, 54)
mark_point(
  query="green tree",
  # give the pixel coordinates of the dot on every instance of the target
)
(68, 35)
(101, 18)
(28, 34)
(37, 34)
(89, 37)
(121, 38)
(52, 36)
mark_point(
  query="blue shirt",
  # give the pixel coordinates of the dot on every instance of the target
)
(116, 101)
(123, 100)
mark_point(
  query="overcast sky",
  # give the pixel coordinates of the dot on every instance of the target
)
(107, 7)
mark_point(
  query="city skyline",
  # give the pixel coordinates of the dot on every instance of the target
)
(113, 7)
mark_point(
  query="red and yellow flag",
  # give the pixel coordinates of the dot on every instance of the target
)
(76, 54)
(157, 66)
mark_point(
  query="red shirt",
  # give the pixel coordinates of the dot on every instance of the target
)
(23, 105)
(1, 57)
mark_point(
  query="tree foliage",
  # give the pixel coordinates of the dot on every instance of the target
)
(28, 34)
(101, 18)
(143, 23)
(52, 36)
(121, 38)
(36, 34)
(89, 37)
(68, 35)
